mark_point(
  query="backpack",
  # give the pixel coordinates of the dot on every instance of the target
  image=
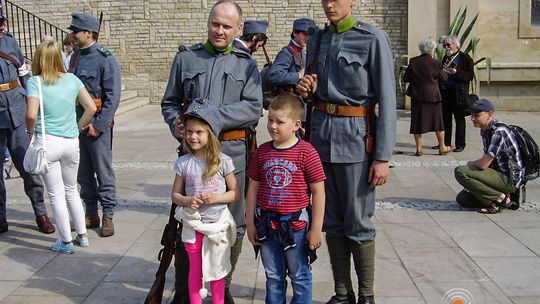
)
(530, 155)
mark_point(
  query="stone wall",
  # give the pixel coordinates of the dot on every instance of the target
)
(144, 34)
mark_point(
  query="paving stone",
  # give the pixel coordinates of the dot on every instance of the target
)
(439, 264)
(485, 239)
(418, 236)
(67, 275)
(56, 299)
(479, 292)
(516, 276)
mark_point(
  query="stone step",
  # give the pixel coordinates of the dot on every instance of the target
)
(132, 103)
(127, 94)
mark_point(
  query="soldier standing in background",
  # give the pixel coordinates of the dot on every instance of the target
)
(253, 36)
(97, 68)
(353, 72)
(13, 133)
(228, 78)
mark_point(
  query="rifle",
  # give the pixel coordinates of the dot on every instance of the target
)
(265, 51)
(99, 27)
(168, 239)
(312, 69)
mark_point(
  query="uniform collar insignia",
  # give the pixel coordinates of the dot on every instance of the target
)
(344, 26)
(212, 50)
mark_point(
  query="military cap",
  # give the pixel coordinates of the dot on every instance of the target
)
(84, 22)
(482, 105)
(255, 27)
(202, 109)
(303, 25)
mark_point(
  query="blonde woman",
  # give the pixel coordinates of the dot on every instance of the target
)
(61, 92)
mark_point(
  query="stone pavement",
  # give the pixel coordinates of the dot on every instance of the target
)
(426, 244)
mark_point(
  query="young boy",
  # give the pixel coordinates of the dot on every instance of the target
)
(285, 174)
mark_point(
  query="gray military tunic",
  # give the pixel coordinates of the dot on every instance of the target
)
(100, 74)
(354, 68)
(12, 124)
(232, 82)
(286, 67)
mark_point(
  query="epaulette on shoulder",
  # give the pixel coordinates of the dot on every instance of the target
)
(366, 27)
(103, 51)
(241, 53)
(195, 47)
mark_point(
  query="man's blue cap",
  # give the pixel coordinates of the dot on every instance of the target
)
(84, 22)
(303, 25)
(254, 27)
(202, 109)
(482, 105)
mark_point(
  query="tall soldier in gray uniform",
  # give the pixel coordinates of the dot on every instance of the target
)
(228, 78)
(353, 72)
(98, 70)
(13, 135)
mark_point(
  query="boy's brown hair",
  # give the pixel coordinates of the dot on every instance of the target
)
(291, 102)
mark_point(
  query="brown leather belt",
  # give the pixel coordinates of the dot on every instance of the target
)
(233, 134)
(9, 86)
(342, 110)
(97, 102)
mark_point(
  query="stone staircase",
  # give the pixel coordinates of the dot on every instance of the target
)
(130, 99)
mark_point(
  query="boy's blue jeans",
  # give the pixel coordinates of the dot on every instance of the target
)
(294, 263)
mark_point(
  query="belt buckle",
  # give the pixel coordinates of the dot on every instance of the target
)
(5, 87)
(331, 108)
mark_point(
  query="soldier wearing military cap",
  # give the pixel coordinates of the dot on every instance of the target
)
(98, 70)
(288, 67)
(227, 77)
(350, 72)
(13, 134)
(253, 36)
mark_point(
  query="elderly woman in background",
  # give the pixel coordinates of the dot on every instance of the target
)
(424, 74)
(61, 92)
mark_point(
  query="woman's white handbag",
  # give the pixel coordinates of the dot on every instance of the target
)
(35, 159)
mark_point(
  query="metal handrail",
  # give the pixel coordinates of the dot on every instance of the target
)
(28, 28)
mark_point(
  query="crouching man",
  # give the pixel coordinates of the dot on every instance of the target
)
(491, 180)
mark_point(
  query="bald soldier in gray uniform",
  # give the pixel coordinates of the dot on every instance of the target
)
(227, 77)
(13, 135)
(97, 68)
(353, 73)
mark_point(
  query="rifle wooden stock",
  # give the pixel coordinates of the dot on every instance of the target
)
(165, 256)
(265, 51)
(312, 69)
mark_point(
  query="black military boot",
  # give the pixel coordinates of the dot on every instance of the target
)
(366, 300)
(343, 299)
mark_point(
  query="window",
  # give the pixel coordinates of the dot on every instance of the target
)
(535, 12)
(529, 18)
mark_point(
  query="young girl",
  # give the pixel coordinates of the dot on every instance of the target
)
(203, 186)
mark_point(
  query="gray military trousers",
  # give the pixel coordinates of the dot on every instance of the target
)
(17, 141)
(96, 175)
(350, 203)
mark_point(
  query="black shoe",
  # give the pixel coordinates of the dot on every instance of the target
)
(342, 299)
(459, 149)
(228, 297)
(180, 298)
(3, 226)
(366, 300)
